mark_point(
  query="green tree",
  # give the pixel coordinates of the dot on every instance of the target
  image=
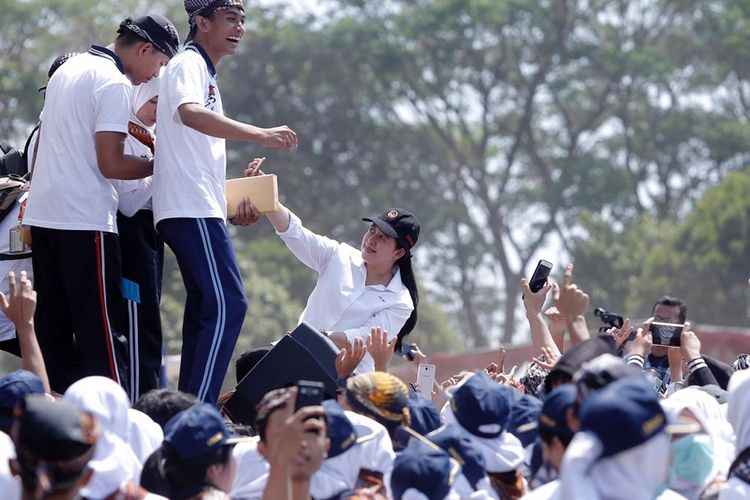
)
(704, 260)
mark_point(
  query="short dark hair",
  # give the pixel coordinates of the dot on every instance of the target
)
(127, 38)
(163, 404)
(546, 435)
(670, 301)
(182, 475)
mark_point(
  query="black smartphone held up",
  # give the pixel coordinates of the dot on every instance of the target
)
(309, 393)
(667, 334)
(541, 273)
(406, 351)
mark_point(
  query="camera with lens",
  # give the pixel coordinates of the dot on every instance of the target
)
(609, 318)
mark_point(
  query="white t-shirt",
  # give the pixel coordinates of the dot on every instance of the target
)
(88, 94)
(135, 195)
(189, 166)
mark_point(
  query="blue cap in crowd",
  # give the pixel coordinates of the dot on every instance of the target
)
(458, 444)
(523, 417)
(623, 415)
(196, 431)
(481, 405)
(425, 469)
(553, 417)
(340, 430)
(13, 387)
(424, 416)
(600, 371)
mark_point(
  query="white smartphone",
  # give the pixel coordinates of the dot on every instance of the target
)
(426, 379)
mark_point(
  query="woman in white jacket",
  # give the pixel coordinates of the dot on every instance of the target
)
(358, 289)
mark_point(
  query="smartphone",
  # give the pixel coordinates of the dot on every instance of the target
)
(309, 393)
(667, 334)
(426, 379)
(406, 351)
(539, 278)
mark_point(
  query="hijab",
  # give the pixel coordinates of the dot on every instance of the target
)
(114, 462)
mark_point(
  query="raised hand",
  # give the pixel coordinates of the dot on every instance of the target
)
(349, 357)
(570, 301)
(548, 360)
(534, 301)
(643, 341)
(20, 304)
(380, 348)
(622, 334)
(690, 344)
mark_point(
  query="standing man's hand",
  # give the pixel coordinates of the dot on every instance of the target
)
(279, 138)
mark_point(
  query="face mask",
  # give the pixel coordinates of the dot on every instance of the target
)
(692, 460)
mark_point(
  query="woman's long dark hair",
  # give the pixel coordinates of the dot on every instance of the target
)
(407, 278)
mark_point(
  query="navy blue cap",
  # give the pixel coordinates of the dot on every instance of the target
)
(523, 417)
(427, 470)
(13, 387)
(54, 430)
(600, 371)
(553, 418)
(458, 444)
(481, 405)
(196, 431)
(340, 430)
(424, 416)
(623, 415)
(574, 358)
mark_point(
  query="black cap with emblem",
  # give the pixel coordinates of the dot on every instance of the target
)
(399, 224)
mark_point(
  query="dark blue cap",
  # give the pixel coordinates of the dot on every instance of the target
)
(430, 471)
(15, 385)
(424, 416)
(623, 415)
(553, 417)
(196, 431)
(482, 406)
(523, 416)
(458, 444)
(600, 371)
(54, 430)
(342, 433)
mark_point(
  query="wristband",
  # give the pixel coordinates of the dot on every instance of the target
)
(636, 359)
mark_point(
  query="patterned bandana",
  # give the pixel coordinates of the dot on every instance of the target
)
(380, 396)
(204, 8)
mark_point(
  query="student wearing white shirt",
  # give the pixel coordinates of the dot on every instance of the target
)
(142, 249)
(72, 203)
(357, 288)
(189, 191)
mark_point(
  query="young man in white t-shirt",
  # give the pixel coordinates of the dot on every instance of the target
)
(72, 206)
(189, 196)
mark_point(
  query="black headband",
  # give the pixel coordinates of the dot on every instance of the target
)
(162, 35)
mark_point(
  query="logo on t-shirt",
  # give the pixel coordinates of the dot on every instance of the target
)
(211, 96)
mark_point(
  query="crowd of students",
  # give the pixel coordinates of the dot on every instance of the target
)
(609, 415)
(584, 420)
